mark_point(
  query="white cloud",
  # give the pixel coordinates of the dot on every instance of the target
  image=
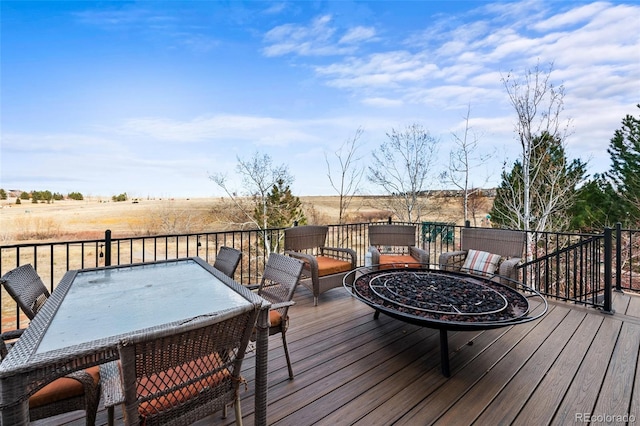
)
(319, 38)
(572, 17)
(358, 34)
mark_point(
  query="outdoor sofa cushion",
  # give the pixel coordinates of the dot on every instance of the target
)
(329, 266)
(388, 261)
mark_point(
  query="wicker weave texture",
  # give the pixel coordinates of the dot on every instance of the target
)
(507, 243)
(227, 260)
(180, 375)
(392, 235)
(395, 239)
(25, 286)
(24, 371)
(278, 285)
(308, 242)
(280, 279)
(87, 401)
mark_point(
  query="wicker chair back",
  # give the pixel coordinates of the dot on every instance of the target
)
(227, 260)
(278, 285)
(392, 235)
(25, 286)
(181, 374)
(300, 238)
(505, 242)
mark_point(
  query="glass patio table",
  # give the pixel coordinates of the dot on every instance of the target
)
(91, 310)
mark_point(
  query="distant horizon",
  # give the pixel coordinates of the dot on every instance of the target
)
(148, 197)
(155, 97)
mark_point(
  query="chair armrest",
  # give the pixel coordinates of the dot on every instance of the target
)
(341, 253)
(375, 255)
(252, 286)
(452, 260)
(279, 305)
(508, 268)
(8, 335)
(12, 334)
(309, 259)
(422, 256)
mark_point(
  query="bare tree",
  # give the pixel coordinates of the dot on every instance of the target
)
(538, 105)
(259, 176)
(402, 167)
(350, 173)
(462, 160)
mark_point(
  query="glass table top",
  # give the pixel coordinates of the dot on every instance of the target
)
(109, 302)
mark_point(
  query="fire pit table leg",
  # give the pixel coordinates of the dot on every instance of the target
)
(444, 353)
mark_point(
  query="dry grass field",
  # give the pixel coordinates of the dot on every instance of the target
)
(88, 219)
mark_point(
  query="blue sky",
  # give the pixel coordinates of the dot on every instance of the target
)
(152, 97)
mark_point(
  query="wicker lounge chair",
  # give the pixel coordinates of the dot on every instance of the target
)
(25, 286)
(278, 284)
(181, 374)
(324, 267)
(507, 244)
(76, 391)
(394, 246)
(227, 260)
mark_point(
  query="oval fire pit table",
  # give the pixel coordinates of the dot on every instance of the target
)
(444, 300)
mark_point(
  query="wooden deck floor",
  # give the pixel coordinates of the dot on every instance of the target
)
(351, 369)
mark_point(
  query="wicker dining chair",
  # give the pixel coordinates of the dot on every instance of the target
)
(179, 374)
(227, 260)
(25, 286)
(394, 246)
(79, 390)
(324, 267)
(278, 284)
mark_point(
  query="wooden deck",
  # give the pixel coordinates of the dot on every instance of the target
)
(351, 369)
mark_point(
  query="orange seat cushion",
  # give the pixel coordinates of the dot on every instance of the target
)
(329, 266)
(388, 261)
(158, 382)
(61, 389)
(275, 318)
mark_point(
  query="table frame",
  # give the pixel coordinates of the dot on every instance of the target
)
(23, 371)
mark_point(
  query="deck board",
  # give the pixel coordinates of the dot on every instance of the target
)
(352, 369)
(618, 383)
(585, 387)
(539, 408)
(633, 308)
(511, 399)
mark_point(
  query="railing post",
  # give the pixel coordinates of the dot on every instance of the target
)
(467, 223)
(107, 248)
(619, 257)
(608, 259)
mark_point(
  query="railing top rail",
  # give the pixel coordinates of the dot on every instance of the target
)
(563, 250)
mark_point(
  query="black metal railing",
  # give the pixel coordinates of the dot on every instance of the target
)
(583, 268)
